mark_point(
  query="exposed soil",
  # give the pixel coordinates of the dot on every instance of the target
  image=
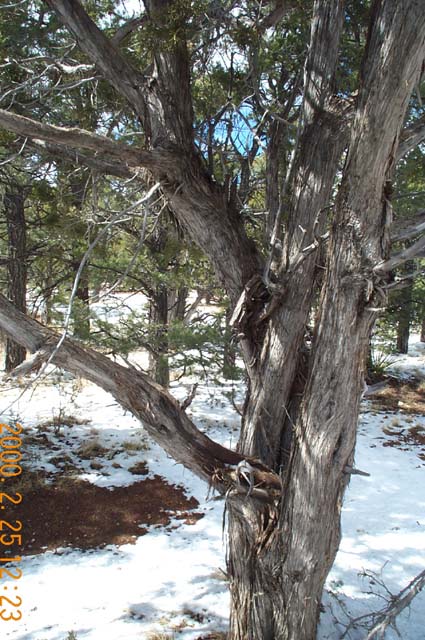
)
(400, 395)
(76, 513)
(404, 438)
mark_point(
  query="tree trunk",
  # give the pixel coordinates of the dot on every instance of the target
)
(177, 300)
(284, 487)
(280, 554)
(405, 300)
(81, 307)
(229, 350)
(423, 330)
(158, 325)
(16, 266)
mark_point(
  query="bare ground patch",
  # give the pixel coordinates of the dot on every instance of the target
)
(400, 395)
(74, 513)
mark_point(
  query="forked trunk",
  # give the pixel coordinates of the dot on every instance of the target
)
(280, 551)
(301, 412)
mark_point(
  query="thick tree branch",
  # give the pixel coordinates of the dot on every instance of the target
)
(403, 256)
(104, 54)
(198, 202)
(281, 10)
(162, 415)
(411, 230)
(75, 138)
(411, 137)
(165, 107)
(127, 28)
(103, 167)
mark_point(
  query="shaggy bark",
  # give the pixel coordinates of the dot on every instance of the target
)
(301, 412)
(288, 562)
(319, 150)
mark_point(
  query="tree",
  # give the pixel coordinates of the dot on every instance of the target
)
(14, 210)
(284, 485)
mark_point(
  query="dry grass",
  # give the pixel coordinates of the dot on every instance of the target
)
(408, 397)
(58, 421)
(220, 574)
(28, 481)
(139, 469)
(91, 449)
(135, 445)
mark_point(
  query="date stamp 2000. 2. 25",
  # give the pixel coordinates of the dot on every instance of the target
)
(10, 529)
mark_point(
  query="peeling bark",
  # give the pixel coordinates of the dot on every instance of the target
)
(284, 488)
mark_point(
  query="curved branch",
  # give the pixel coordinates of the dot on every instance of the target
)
(164, 419)
(403, 256)
(75, 138)
(411, 137)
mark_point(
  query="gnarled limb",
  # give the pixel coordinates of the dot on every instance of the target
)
(163, 417)
(75, 138)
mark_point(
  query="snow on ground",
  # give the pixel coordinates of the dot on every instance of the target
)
(170, 581)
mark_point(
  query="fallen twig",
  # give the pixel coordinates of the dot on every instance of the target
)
(387, 617)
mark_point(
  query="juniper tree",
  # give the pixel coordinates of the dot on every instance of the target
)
(327, 250)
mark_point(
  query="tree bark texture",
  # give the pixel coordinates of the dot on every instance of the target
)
(13, 204)
(284, 486)
(158, 323)
(302, 546)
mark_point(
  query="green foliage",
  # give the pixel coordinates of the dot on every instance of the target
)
(234, 65)
(379, 362)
